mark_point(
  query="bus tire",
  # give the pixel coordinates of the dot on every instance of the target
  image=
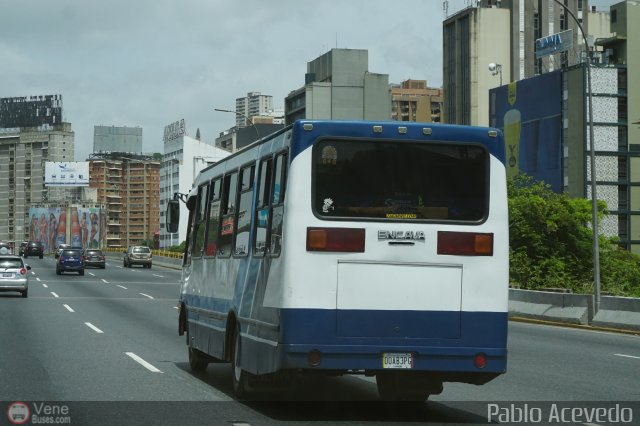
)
(238, 375)
(391, 388)
(197, 360)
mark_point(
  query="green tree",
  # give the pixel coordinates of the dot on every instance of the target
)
(550, 238)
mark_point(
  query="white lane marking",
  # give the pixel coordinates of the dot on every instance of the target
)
(54, 295)
(105, 281)
(93, 327)
(175, 307)
(159, 276)
(146, 295)
(37, 279)
(142, 362)
(628, 356)
(45, 286)
(68, 308)
(91, 273)
(121, 286)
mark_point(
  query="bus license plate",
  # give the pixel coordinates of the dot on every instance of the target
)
(397, 360)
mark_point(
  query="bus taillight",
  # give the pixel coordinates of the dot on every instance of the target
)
(465, 243)
(335, 239)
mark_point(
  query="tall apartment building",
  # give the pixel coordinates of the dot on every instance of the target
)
(117, 139)
(253, 105)
(339, 86)
(31, 133)
(128, 185)
(413, 100)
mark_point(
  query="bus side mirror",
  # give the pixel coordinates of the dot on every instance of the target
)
(172, 216)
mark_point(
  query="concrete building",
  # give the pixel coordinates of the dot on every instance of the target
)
(413, 100)
(128, 185)
(238, 137)
(31, 133)
(339, 86)
(117, 139)
(473, 39)
(182, 160)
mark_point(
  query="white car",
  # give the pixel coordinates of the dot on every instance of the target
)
(14, 275)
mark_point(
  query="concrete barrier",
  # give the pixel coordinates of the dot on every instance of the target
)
(618, 312)
(551, 306)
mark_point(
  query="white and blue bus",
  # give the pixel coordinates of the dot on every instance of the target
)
(351, 247)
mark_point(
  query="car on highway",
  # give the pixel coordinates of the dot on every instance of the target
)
(70, 260)
(60, 248)
(94, 257)
(34, 248)
(138, 255)
(23, 245)
(14, 275)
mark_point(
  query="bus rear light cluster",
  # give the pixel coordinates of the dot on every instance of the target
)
(336, 239)
(480, 360)
(465, 243)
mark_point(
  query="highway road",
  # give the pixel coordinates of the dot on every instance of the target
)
(105, 344)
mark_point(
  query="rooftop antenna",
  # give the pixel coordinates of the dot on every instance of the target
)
(445, 7)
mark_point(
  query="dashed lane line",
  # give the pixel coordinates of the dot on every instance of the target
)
(68, 308)
(93, 327)
(142, 362)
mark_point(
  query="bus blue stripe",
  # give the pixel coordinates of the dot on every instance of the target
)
(355, 129)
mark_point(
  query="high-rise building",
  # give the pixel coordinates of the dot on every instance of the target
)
(128, 185)
(117, 139)
(474, 39)
(253, 105)
(413, 100)
(31, 133)
(339, 86)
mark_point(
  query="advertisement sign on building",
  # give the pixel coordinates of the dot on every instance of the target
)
(79, 226)
(529, 112)
(66, 174)
(174, 130)
(554, 43)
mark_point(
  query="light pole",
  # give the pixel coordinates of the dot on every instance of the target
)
(592, 161)
(495, 70)
(247, 119)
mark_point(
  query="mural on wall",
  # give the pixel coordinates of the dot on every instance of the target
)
(78, 226)
(529, 112)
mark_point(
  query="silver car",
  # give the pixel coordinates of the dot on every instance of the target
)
(14, 275)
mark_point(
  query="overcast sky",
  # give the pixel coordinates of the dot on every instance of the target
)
(148, 63)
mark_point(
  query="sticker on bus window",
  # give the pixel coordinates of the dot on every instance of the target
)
(328, 205)
(329, 155)
(401, 216)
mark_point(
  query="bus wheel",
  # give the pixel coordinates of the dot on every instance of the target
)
(197, 360)
(239, 376)
(391, 387)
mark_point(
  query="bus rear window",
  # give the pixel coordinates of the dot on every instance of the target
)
(400, 180)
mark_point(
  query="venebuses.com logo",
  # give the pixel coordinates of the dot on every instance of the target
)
(20, 413)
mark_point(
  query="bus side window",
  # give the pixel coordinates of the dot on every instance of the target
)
(277, 203)
(262, 215)
(225, 238)
(243, 222)
(199, 223)
(213, 226)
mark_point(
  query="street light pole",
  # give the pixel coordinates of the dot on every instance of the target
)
(247, 119)
(592, 161)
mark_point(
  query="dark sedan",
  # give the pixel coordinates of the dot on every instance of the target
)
(94, 257)
(34, 248)
(70, 260)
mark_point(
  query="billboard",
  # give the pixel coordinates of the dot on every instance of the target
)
(66, 174)
(79, 226)
(529, 112)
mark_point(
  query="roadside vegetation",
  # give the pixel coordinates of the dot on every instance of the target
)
(551, 244)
